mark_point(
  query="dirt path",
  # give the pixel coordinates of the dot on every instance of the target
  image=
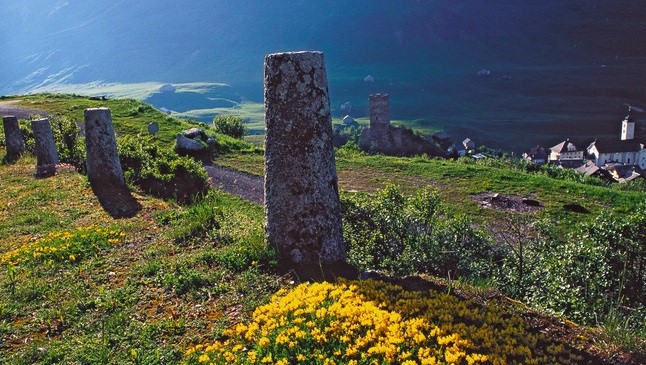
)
(241, 184)
(10, 108)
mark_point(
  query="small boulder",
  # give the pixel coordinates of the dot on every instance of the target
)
(195, 133)
(185, 145)
(195, 143)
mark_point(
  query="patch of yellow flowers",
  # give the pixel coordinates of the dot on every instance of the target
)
(65, 246)
(371, 322)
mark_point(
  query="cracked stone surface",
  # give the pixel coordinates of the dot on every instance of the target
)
(46, 154)
(103, 166)
(302, 209)
(13, 138)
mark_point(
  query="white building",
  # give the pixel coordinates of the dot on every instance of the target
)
(625, 150)
(565, 151)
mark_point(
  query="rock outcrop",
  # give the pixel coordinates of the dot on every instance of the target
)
(194, 142)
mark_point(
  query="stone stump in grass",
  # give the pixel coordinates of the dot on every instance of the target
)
(103, 166)
(302, 209)
(46, 154)
(13, 138)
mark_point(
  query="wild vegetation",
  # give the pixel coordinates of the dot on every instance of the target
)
(230, 125)
(196, 283)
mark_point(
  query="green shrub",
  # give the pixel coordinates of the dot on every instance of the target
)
(230, 125)
(69, 143)
(585, 274)
(27, 135)
(406, 235)
(161, 172)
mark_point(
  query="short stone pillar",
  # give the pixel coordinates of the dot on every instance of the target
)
(13, 138)
(302, 209)
(379, 111)
(46, 154)
(103, 165)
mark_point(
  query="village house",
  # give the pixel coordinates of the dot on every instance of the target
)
(566, 154)
(469, 145)
(536, 155)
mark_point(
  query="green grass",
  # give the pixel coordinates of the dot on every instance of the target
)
(182, 275)
(145, 299)
(456, 182)
(129, 117)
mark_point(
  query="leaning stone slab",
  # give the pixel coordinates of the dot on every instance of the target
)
(302, 209)
(46, 154)
(103, 165)
(13, 138)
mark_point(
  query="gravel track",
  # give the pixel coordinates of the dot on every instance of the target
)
(9, 108)
(241, 184)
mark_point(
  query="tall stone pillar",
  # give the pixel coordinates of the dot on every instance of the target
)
(13, 138)
(103, 165)
(46, 154)
(302, 209)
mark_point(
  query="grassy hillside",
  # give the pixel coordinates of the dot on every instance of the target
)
(78, 286)
(457, 181)
(168, 279)
(144, 297)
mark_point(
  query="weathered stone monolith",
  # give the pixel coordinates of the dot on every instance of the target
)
(103, 166)
(13, 138)
(46, 154)
(302, 209)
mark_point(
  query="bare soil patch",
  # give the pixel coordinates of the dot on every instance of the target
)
(510, 203)
(241, 184)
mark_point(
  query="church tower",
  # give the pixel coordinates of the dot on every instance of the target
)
(627, 129)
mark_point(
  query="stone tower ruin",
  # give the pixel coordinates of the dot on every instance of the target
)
(379, 111)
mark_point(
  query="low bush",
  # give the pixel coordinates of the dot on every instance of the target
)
(69, 143)
(592, 271)
(597, 268)
(230, 125)
(161, 172)
(406, 235)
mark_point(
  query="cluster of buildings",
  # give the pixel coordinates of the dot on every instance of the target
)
(621, 159)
